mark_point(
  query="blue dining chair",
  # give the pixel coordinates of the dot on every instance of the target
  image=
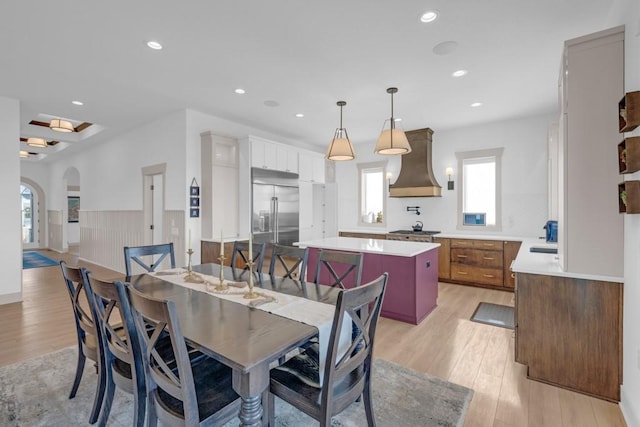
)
(135, 253)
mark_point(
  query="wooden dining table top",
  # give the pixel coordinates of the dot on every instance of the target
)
(240, 336)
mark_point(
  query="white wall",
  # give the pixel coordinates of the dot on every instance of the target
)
(11, 248)
(524, 178)
(628, 13)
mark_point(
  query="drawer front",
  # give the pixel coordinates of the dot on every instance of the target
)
(489, 245)
(478, 257)
(468, 273)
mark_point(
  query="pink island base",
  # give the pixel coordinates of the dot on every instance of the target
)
(412, 288)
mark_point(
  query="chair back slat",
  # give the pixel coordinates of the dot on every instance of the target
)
(240, 254)
(169, 371)
(339, 266)
(291, 259)
(81, 298)
(363, 304)
(158, 253)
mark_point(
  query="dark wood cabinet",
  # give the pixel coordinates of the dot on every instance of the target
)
(569, 332)
(210, 251)
(477, 262)
(510, 252)
(444, 258)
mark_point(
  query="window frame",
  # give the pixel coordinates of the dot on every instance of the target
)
(496, 154)
(385, 193)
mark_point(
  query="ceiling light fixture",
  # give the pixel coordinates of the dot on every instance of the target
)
(240, 91)
(340, 147)
(299, 115)
(154, 45)
(392, 140)
(459, 73)
(24, 154)
(476, 104)
(429, 16)
(77, 103)
(60, 125)
(37, 142)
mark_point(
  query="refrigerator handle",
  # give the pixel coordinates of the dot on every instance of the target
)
(274, 215)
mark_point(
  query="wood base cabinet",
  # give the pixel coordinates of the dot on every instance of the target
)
(476, 262)
(569, 333)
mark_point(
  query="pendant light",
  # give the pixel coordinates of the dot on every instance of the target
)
(392, 140)
(340, 147)
(60, 125)
(37, 142)
(24, 154)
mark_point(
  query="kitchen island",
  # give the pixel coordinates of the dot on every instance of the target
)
(412, 287)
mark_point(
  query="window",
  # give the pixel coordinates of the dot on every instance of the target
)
(479, 197)
(372, 193)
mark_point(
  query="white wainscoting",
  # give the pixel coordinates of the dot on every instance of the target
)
(55, 231)
(104, 234)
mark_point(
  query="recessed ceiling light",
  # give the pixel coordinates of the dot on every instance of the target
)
(299, 115)
(154, 45)
(476, 104)
(240, 91)
(77, 102)
(459, 73)
(429, 16)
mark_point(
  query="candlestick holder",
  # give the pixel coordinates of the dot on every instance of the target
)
(250, 294)
(191, 276)
(222, 286)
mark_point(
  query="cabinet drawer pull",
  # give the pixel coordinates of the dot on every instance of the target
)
(461, 256)
(464, 273)
(513, 275)
(488, 258)
(488, 275)
(489, 244)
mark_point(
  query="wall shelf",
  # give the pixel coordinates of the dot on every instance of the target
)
(629, 197)
(629, 155)
(629, 112)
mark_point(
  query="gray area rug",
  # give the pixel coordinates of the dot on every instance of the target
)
(35, 393)
(495, 315)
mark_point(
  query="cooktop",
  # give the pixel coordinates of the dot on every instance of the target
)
(416, 233)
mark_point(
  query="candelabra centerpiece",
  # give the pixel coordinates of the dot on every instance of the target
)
(250, 294)
(191, 276)
(222, 286)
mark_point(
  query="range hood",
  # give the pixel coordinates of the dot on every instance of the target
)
(416, 177)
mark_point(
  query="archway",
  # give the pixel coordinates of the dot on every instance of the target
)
(33, 217)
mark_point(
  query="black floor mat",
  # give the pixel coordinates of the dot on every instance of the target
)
(495, 315)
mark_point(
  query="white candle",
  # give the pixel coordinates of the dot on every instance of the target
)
(189, 239)
(221, 244)
(250, 248)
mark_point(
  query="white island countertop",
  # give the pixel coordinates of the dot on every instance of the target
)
(372, 246)
(548, 264)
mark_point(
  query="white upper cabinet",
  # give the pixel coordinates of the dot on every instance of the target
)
(312, 169)
(263, 154)
(286, 158)
(267, 154)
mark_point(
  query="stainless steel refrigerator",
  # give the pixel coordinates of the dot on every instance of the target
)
(275, 207)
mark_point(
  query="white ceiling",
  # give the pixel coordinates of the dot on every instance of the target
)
(305, 55)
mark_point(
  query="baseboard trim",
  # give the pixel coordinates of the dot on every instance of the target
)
(11, 298)
(631, 417)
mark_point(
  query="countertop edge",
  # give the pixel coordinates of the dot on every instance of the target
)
(548, 264)
(372, 246)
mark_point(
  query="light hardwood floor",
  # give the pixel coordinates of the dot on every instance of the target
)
(446, 345)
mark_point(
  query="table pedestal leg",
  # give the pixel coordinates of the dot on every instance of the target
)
(250, 385)
(251, 412)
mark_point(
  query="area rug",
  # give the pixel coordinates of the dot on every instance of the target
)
(34, 259)
(495, 315)
(35, 393)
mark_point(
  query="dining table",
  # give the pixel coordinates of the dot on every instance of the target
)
(247, 339)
